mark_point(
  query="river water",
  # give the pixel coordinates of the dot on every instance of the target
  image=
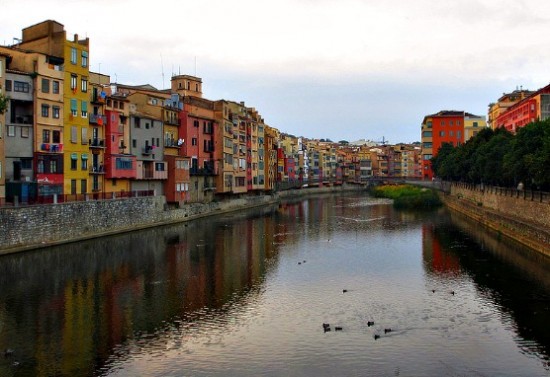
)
(246, 294)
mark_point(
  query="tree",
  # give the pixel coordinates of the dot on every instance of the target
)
(4, 101)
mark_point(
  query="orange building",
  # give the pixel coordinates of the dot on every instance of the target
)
(446, 126)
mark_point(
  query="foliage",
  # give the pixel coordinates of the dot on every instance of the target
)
(497, 157)
(4, 101)
(407, 196)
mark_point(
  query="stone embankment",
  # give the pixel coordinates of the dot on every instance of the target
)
(519, 214)
(25, 228)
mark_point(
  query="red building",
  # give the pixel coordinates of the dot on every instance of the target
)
(534, 107)
(118, 165)
(177, 184)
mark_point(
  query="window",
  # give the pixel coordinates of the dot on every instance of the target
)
(84, 60)
(73, 83)
(56, 137)
(74, 160)
(196, 123)
(84, 85)
(74, 134)
(45, 86)
(55, 87)
(442, 122)
(8, 85)
(84, 109)
(450, 123)
(451, 133)
(427, 157)
(134, 143)
(45, 136)
(159, 166)
(137, 123)
(442, 133)
(194, 141)
(55, 112)
(427, 134)
(40, 166)
(458, 134)
(83, 186)
(123, 163)
(20, 86)
(45, 111)
(84, 162)
(53, 166)
(84, 135)
(25, 132)
(426, 145)
(26, 163)
(74, 107)
(73, 57)
(11, 130)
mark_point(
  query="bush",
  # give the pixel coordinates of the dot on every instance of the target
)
(406, 196)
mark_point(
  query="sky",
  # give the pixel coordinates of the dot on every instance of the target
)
(336, 69)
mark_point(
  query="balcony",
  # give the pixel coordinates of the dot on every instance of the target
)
(172, 143)
(96, 143)
(98, 119)
(51, 148)
(146, 151)
(97, 169)
(98, 98)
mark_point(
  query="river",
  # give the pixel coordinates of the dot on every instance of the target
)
(246, 294)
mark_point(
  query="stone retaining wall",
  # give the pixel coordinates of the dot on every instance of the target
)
(24, 228)
(522, 216)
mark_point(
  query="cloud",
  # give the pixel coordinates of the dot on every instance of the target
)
(355, 67)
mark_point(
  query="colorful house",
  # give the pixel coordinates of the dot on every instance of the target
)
(535, 106)
(49, 37)
(198, 127)
(504, 103)
(119, 165)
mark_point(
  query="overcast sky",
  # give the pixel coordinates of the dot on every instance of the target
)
(338, 69)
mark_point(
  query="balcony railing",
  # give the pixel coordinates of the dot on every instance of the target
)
(97, 169)
(96, 143)
(98, 119)
(52, 148)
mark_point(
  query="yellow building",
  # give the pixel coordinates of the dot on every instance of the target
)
(49, 37)
(472, 125)
(270, 153)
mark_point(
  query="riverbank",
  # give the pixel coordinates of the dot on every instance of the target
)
(27, 228)
(521, 217)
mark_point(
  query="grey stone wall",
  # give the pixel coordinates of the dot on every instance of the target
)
(31, 227)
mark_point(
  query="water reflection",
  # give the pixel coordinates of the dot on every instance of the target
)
(247, 292)
(513, 278)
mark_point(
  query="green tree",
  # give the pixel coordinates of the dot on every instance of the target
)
(4, 101)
